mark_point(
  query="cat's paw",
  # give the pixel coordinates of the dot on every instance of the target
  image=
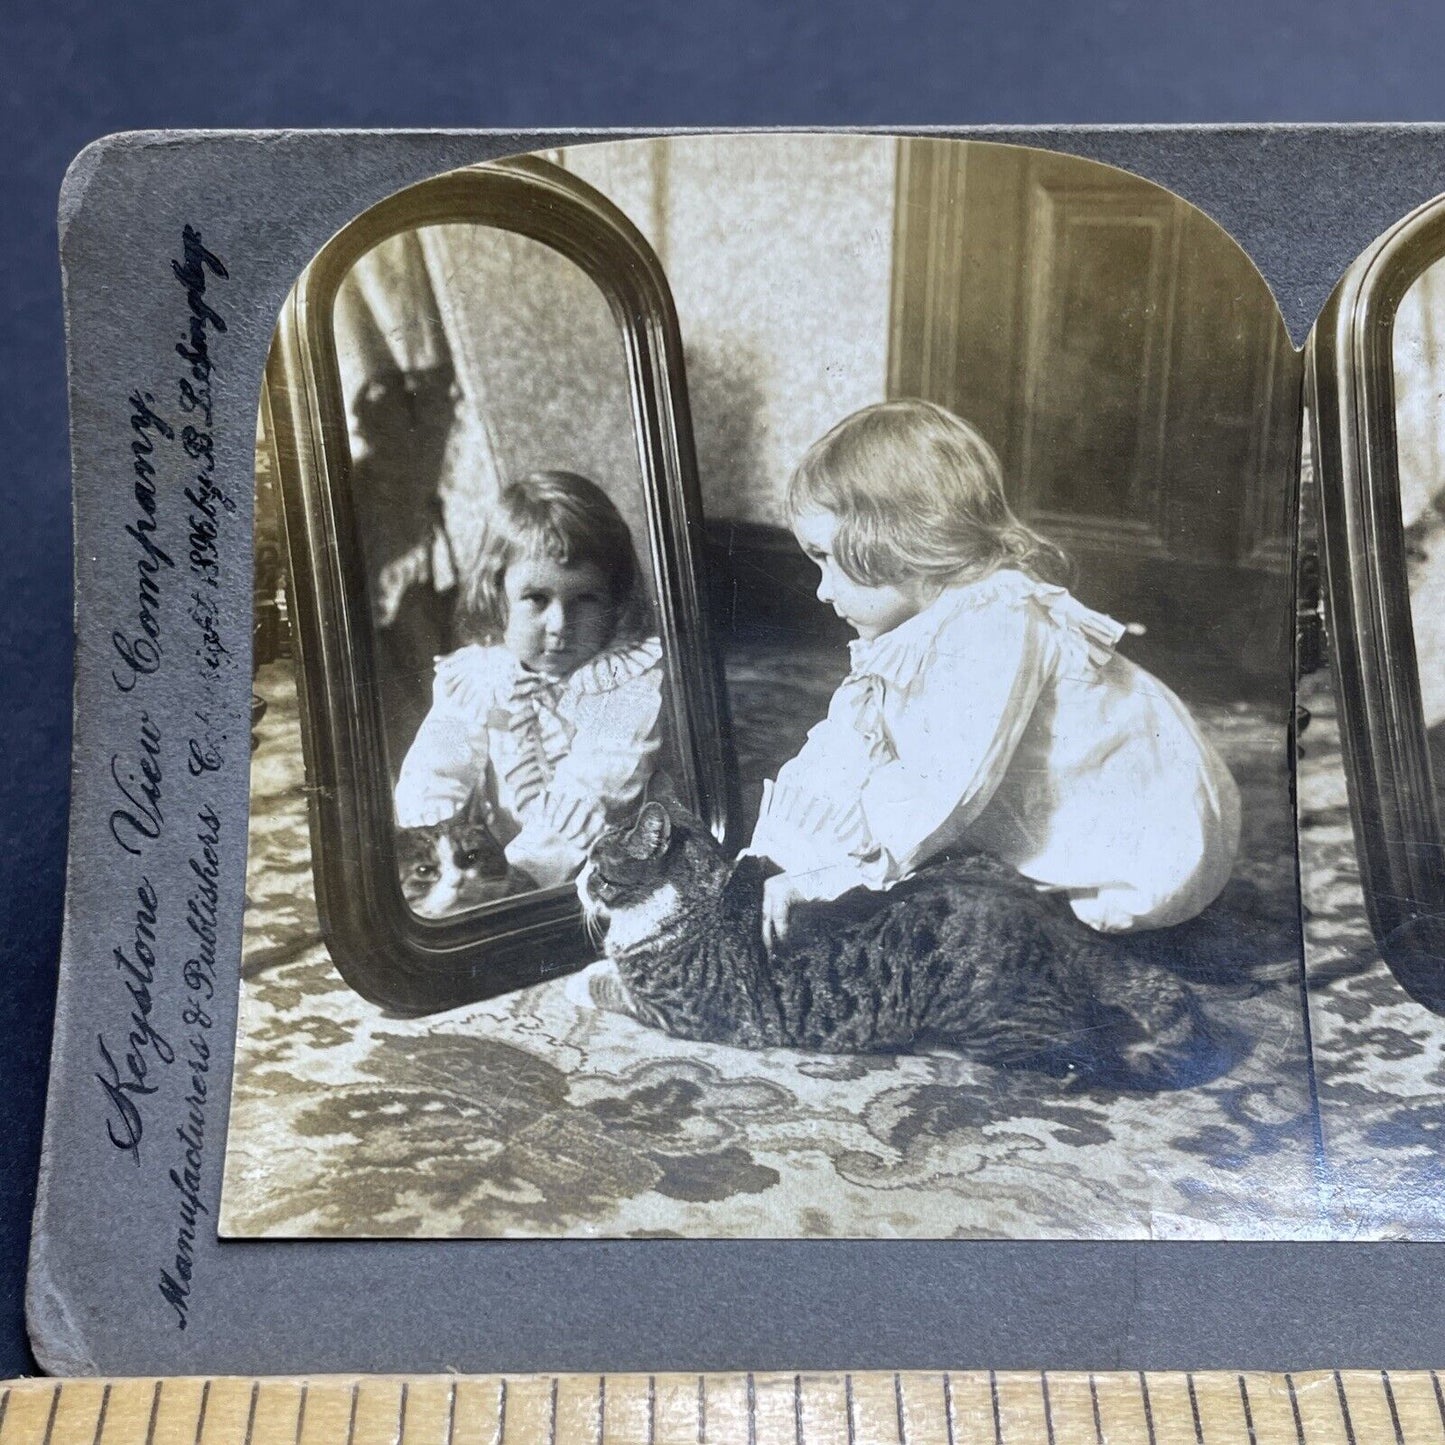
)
(418, 808)
(600, 986)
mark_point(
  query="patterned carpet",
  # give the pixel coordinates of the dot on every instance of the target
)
(1379, 1057)
(549, 1112)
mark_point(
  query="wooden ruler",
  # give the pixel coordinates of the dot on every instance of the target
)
(909, 1408)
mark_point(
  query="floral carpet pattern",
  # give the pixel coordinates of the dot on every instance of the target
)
(1379, 1057)
(552, 1112)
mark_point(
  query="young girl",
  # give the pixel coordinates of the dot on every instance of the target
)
(556, 712)
(985, 706)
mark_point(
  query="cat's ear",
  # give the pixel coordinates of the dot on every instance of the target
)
(651, 832)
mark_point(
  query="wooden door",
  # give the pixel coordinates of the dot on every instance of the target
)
(1132, 370)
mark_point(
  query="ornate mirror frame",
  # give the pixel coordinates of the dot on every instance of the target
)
(382, 949)
(1350, 386)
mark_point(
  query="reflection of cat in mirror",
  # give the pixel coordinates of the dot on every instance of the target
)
(965, 955)
(456, 865)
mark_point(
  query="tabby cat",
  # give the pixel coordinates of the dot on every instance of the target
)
(964, 955)
(456, 865)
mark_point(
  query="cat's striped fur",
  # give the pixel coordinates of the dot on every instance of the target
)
(965, 955)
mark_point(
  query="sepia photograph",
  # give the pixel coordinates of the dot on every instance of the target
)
(773, 711)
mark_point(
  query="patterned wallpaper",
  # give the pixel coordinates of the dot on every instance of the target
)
(779, 253)
(541, 366)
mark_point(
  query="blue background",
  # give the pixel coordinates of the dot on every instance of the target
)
(71, 72)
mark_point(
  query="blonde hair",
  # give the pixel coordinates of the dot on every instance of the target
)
(570, 519)
(918, 493)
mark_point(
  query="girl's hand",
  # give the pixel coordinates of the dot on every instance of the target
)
(780, 893)
(430, 803)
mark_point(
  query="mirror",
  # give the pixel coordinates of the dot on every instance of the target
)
(1374, 381)
(487, 477)
(501, 512)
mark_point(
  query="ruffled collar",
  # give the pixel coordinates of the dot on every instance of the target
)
(603, 673)
(900, 655)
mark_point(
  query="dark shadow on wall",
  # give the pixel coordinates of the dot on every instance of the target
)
(405, 419)
(761, 587)
(728, 403)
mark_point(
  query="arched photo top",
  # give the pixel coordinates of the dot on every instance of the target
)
(677, 320)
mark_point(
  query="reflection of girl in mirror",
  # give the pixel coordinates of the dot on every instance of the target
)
(986, 707)
(555, 711)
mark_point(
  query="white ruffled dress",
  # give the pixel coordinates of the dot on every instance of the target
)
(1000, 717)
(560, 759)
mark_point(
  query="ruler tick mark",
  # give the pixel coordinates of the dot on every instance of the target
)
(1194, 1411)
(797, 1410)
(1344, 1409)
(997, 1414)
(1094, 1401)
(155, 1413)
(1148, 1407)
(1248, 1413)
(351, 1423)
(1390, 1401)
(1299, 1424)
(201, 1417)
(54, 1406)
(301, 1411)
(100, 1418)
(251, 1414)
(948, 1405)
(1048, 1409)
